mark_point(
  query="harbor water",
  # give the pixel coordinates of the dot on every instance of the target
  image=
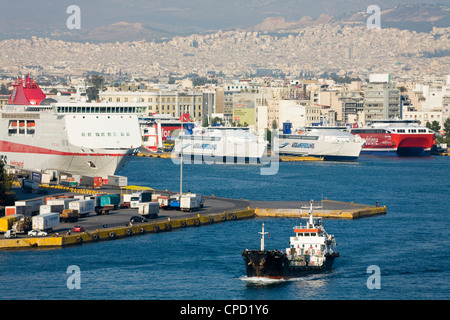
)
(409, 246)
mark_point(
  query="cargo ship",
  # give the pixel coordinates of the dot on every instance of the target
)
(395, 138)
(216, 145)
(328, 143)
(311, 251)
(93, 139)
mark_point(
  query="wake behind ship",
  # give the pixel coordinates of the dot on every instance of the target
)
(96, 139)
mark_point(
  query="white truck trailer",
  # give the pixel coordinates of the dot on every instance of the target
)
(45, 222)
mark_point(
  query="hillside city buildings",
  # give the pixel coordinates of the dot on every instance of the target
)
(256, 79)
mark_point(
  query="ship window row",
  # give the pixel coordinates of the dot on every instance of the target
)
(308, 234)
(105, 109)
(105, 134)
(21, 127)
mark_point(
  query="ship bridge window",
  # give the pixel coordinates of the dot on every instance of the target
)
(306, 234)
(313, 234)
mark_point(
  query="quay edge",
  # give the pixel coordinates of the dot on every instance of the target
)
(352, 211)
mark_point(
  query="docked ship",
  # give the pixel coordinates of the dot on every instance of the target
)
(37, 133)
(215, 145)
(310, 251)
(395, 138)
(158, 130)
(328, 143)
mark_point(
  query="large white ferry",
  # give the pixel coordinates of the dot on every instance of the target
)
(220, 145)
(329, 143)
(96, 139)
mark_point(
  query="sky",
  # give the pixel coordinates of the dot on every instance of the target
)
(200, 15)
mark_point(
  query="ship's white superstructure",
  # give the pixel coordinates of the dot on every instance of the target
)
(221, 145)
(323, 142)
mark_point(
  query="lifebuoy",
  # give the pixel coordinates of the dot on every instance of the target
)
(183, 224)
(128, 232)
(79, 239)
(95, 236)
(224, 218)
(142, 230)
(197, 222)
(156, 228)
(112, 235)
(168, 226)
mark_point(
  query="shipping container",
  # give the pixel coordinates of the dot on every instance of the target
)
(91, 182)
(149, 209)
(7, 222)
(108, 199)
(51, 208)
(41, 178)
(163, 201)
(61, 201)
(33, 204)
(46, 222)
(117, 181)
(188, 203)
(83, 207)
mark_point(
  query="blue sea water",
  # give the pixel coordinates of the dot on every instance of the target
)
(409, 245)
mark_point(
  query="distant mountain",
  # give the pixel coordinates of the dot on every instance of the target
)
(417, 17)
(124, 31)
(279, 23)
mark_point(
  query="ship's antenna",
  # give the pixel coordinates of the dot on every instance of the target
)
(262, 237)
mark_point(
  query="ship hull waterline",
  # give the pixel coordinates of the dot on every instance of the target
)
(274, 264)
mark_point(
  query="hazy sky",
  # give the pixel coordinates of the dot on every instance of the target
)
(196, 14)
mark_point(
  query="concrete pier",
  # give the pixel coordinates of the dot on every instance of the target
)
(117, 225)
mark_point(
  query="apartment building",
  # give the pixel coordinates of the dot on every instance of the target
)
(381, 99)
(172, 103)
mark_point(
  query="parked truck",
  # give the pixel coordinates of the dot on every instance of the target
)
(29, 186)
(41, 178)
(51, 208)
(135, 198)
(117, 182)
(188, 203)
(69, 215)
(163, 202)
(83, 207)
(45, 222)
(91, 182)
(149, 209)
(107, 199)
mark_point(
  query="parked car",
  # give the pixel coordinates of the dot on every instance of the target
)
(78, 229)
(138, 219)
(36, 233)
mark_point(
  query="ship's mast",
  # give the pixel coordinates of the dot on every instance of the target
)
(311, 220)
(262, 237)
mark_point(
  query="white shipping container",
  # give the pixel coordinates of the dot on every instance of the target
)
(84, 207)
(188, 203)
(117, 181)
(45, 221)
(45, 209)
(148, 209)
(65, 202)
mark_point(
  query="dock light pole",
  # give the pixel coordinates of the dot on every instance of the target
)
(181, 158)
